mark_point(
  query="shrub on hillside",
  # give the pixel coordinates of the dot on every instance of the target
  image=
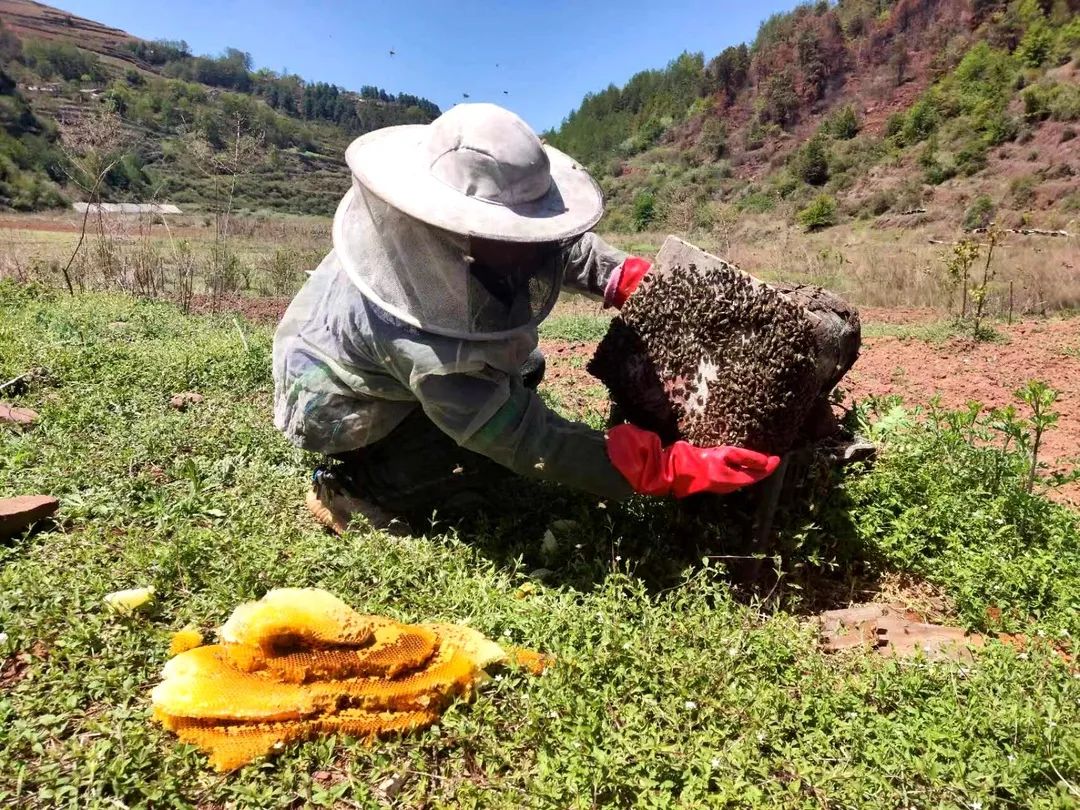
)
(842, 124)
(980, 213)
(971, 159)
(920, 122)
(1036, 46)
(713, 139)
(756, 201)
(811, 163)
(52, 60)
(755, 135)
(820, 213)
(1022, 190)
(1050, 99)
(644, 211)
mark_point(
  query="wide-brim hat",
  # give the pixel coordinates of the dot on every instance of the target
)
(478, 170)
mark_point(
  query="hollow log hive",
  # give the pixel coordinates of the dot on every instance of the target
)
(706, 353)
(300, 662)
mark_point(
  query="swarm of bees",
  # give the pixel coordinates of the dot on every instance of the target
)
(710, 355)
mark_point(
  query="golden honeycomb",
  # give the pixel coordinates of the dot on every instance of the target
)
(300, 662)
(289, 616)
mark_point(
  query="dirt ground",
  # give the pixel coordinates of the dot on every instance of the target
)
(960, 371)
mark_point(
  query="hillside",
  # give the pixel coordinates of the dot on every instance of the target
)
(858, 109)
(176, 124)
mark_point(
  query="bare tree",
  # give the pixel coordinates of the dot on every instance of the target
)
(241, 153)
(93, 143)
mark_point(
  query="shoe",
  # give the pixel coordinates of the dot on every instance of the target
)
(335, 508)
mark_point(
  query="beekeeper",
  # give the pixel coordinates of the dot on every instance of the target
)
(410, 359)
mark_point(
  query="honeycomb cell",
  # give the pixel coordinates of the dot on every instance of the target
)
(202, 683)
(483, 651)
(449, 673)
(184, 640)
(397, 648)
(231, 745)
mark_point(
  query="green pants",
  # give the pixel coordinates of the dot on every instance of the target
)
(417, 469)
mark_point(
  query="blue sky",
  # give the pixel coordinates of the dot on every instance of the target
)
(546, 55)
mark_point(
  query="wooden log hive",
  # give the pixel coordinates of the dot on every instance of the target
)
(705, 352)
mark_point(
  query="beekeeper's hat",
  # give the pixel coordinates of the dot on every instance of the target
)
(478, 170)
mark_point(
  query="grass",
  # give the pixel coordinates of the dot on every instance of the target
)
(575, 327)
(931, 331)
(675, 686)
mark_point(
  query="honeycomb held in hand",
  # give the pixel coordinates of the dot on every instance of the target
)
(300, 662)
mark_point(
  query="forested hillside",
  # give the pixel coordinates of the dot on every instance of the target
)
(182, 121)
(859, 108)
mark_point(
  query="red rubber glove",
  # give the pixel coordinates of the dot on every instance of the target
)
(631, 273)
(683, 469)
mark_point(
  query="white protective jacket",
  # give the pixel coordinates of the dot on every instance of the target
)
(346, 373)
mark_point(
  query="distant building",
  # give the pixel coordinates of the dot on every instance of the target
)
(126, 208)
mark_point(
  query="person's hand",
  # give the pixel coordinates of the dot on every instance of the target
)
(630, 275)
(683, 469)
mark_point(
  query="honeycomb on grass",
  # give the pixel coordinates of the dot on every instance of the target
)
(708, 354)
(301, 662)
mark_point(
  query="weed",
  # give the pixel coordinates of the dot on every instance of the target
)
(994, 237)
(958, 264)
(931, 332)
(1040, 397)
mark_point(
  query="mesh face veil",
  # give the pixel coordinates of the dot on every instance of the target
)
(439, 281)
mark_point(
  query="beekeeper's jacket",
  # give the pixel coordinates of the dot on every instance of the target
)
(346, 372)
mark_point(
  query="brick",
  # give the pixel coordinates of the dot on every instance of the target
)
(11, 415)
(19, 513)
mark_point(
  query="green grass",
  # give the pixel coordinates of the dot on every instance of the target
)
(674, 686)
(575, 327)
(931, 331)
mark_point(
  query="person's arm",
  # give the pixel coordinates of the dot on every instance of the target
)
(595, 268)
(496, 416)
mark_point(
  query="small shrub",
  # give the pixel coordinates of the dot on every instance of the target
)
(755, 135)
(820, 213)
(842, 124)
(756, 202)
(979, 213)
(878, 203)
(713, 139)
(920, 122)
(1035, 47)
(1022, 190)
(971, 159)
(894, 125)
(644, 211)
(811, 163)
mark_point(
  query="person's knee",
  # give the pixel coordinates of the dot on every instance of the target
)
(532, 370)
